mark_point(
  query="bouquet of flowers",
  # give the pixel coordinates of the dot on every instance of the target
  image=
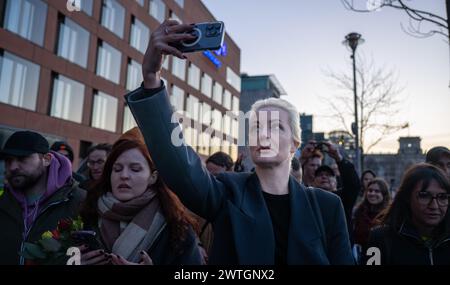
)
(52, 248)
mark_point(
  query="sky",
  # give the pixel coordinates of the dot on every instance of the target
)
(298, 40)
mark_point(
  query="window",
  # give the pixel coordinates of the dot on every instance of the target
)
(27, 19)
(217, 92)
(227, 99)
(67, 99)
(235, 129)
(205, 114)
(157, 9)
(206, 85)
(165, 64)
(177, 98)
(174, 16)
(128, 120)
(113, 17)
(141, 2)
(179, 67)
(104, 112)
(203, 143)
(226, 146)
(234, 152)
(226, 125)
(85, 5)
(217, 120)
(215, 144)
(73, 42)
(19, 81)
(235, 107)
(180, 3)
(193, 108)
(194, 76)
(134, 75)
(108, 62)
(187, 134)
(233, 79)
(140, 35)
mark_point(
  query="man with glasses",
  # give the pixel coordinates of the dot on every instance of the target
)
(96, 159)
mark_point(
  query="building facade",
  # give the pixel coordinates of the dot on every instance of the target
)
(391, 167)
(64, 72)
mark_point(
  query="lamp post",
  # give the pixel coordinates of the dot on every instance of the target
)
(353, 40)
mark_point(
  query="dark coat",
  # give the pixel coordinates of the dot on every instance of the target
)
(405, 247)
(64, 203)
(234, 203)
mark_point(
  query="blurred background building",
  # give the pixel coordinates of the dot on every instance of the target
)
(64, 72)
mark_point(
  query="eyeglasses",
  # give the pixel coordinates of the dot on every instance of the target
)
(92, 163)
(425, 198)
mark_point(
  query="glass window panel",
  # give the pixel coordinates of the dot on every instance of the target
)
(113, 17)
(26, 18)
(134, 75)
(19, 81)
(104, 112)
(73, 40)
(108, 61)
(140, 35)
(67, 99)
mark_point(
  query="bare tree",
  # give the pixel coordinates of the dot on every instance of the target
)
(378, 101)
(435, 24)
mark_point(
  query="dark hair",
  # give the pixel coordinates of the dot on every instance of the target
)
(366, 206)
(366, 172)
(221, 159)
(316, 154)
(103, 146)
(175, 213)
(418, 175)
(295, 164)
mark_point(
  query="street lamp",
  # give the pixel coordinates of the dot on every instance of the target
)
(353, 40)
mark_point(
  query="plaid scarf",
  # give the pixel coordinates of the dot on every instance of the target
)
(129, 227)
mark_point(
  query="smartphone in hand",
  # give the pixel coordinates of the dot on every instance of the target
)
(209, 36)
(87, 238)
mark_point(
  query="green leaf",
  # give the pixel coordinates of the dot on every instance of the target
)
(33, 251)
(50, 244)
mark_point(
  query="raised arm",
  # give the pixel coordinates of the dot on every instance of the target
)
(179, 166)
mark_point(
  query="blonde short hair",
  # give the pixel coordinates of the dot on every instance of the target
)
(293, 115)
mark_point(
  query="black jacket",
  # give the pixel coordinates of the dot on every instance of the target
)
(351, 186)
(233, 202)
(65, 203)
(405, 247)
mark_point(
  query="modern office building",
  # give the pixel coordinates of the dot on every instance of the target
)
(65, 68)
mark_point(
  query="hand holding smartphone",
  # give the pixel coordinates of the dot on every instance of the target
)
(208, 36)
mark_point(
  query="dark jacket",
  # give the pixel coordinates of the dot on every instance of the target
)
(234, 203)
(64, 203)
(351, 186)
(405, 247)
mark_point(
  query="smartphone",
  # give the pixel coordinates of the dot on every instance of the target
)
(322, 147)
(208, 36)
(87, 238)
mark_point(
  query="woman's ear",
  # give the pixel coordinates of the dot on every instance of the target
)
(294, 145)
(153, 177)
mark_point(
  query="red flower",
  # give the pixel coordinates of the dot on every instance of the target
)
(64, 224)
(56, 234)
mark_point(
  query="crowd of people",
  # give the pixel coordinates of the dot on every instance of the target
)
(150, 202)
